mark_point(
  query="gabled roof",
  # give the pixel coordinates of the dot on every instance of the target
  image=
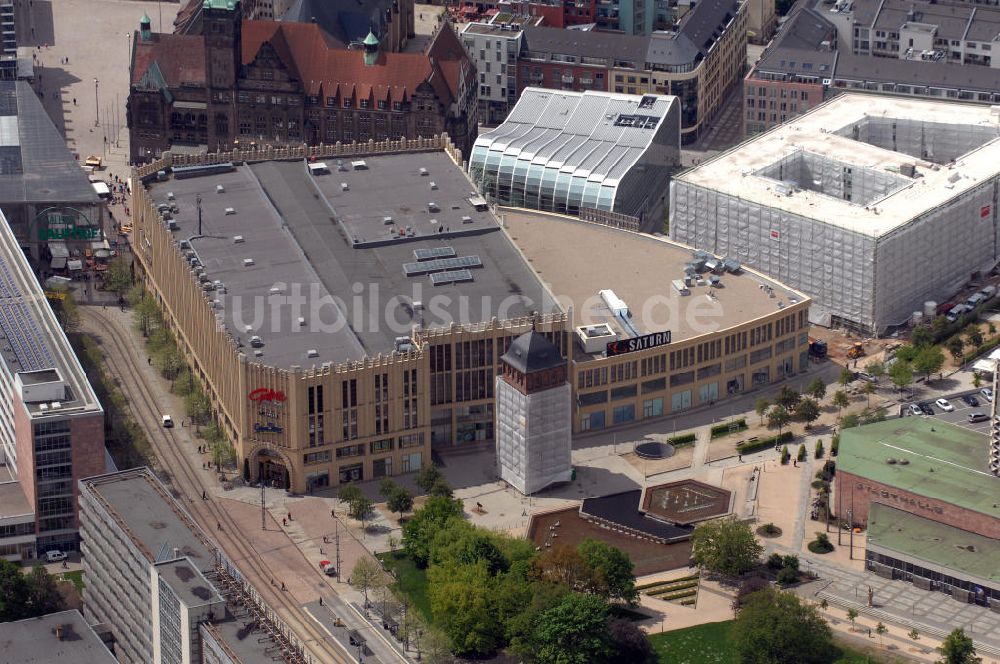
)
(180, 58)
(327, 70)
(532, 352)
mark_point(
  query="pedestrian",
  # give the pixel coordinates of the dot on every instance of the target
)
(149, 361)
(74, 101)
(204, 495)
(218, 525)
(283, 585)
(332, 515)
(795, 462)
(321, 600)
(284, 521)
(290, 516)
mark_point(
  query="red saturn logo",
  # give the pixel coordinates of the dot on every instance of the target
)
(262, 394)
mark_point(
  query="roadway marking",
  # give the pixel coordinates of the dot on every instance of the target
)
(950, 463)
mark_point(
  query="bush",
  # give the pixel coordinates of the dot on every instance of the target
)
(764, 443)
(787, 576)
(786, 456)
(821, 544)
(775, 561)
(682, 439)
(726, 428)
(835, 445)
(801, 456)
(791, 562)
(819, 449)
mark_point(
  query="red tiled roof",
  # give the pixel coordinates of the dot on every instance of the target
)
(181, 58)
(326, 70)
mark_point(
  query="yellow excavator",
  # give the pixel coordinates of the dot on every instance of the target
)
(856, 350)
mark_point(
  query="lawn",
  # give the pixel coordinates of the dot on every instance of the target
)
(411, 581)
(76, 578)
(709, 644)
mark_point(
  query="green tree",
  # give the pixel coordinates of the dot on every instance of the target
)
(845, 377)
(875, 369)
(13, 592)
(629, 644)
(348, 493)
(441, 488)
(841, 401)
(901, 374)
(914, 634)
(146, 314)
(852, 615)
(881, 629)
(400, 501)
(725, 546)
(955, 346)
(420, 529)
(787, 397)
(957, 648)
(906, 353)
(463, 605)
(807, 410)
(612, 572)
(761, 406)
(921, 337)
(816, 388)
(778, 417)
(385, 487)
(973, 335)
(575, 631)
(66, 310)
(819, 451)
(427, 476)
(869, 389)
(801, 456)
(118, 276)
(43, 595)
(977, 380)
(367, 575)
(929, 360)
(198, 407)
(776, 626)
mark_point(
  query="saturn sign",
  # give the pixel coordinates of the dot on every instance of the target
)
(638, 343)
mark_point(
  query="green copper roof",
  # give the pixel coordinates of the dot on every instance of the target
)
(219, 4)
(924, 540)
(943, 461)
(371, 39)
(145, 19)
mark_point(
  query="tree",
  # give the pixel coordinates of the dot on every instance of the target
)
(906, 353)
(841, 401)
(66, 311)
(761, 406)
(776, 626)
(914, 634)
(367, 575)
(801, 456)
(441, 489)
(629, 644)
(118, 276)
(869, 389)
(778, 417)
(816, 388)
(787, 576)
(881, 629)
(612, 573)
(921, 337)
(420, 529)
(13, 592)
(819, 451)
(973, 335)
(349, 493)
(807, 410)
(955, 346)
(725, 546)
(359, 506)
(977, 380)
(400, 501)
(901, 374)
(386, 487)
(845, 377)
(198, 407)
(463, 604)
(787, 397)
(43, 595)
(875, 369)
(574, 631)
(852, 615)
(146, 314)
(427, 476)
(929, 360)
(957, 648)
(752, 584)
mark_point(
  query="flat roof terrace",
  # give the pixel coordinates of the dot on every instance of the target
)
(943, 461)
(953, 146)
(577, 259)
(395, 198)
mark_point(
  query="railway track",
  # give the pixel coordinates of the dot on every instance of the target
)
(124, 362)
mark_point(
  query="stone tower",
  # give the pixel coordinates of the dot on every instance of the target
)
(533, 415)
(221, 31)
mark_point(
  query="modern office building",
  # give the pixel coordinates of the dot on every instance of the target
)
(534, 415)
(577, 153)
(494, 48)
(872, 205)
(925, 492)
(153, 577)
(51, 424)
(316, 390)
(814, 57)
(55, 638)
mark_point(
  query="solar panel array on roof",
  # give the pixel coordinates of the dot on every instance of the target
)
(441, 265)
(451, 277)
(19, 326)
(431, 253)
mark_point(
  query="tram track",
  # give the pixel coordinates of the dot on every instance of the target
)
(125, 363)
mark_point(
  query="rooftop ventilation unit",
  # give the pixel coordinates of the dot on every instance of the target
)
(423, 172)
(230, 210)
(247, 262)
(219, 189)
(238, 239)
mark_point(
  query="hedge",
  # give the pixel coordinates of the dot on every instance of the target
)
(683, 439)
(673, 588)
(727, 428)
(764, 443)
(654, 584)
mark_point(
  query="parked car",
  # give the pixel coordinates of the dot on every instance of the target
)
(914, 409)
(864, 375)
(970, 400)
(328, 568)
(168, 422)
(926, 408)
(978, 417)
(944, 405)
(987, 394)
(55, 556)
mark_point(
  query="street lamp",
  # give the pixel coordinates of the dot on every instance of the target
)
(97, 105)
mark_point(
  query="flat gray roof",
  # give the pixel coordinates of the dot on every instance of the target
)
(189, 584)
(250, 646)
(355, 300)
(34, 641)
(13, 502)
(143, 508)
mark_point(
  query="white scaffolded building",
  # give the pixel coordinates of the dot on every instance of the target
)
(534, 411)
(870, 205)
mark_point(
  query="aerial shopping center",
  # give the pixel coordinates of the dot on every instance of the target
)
(345, 326)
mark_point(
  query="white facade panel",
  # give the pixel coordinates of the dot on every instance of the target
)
(534, 436)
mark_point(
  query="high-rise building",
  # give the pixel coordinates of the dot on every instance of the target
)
(534, 415)
(995, 424)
